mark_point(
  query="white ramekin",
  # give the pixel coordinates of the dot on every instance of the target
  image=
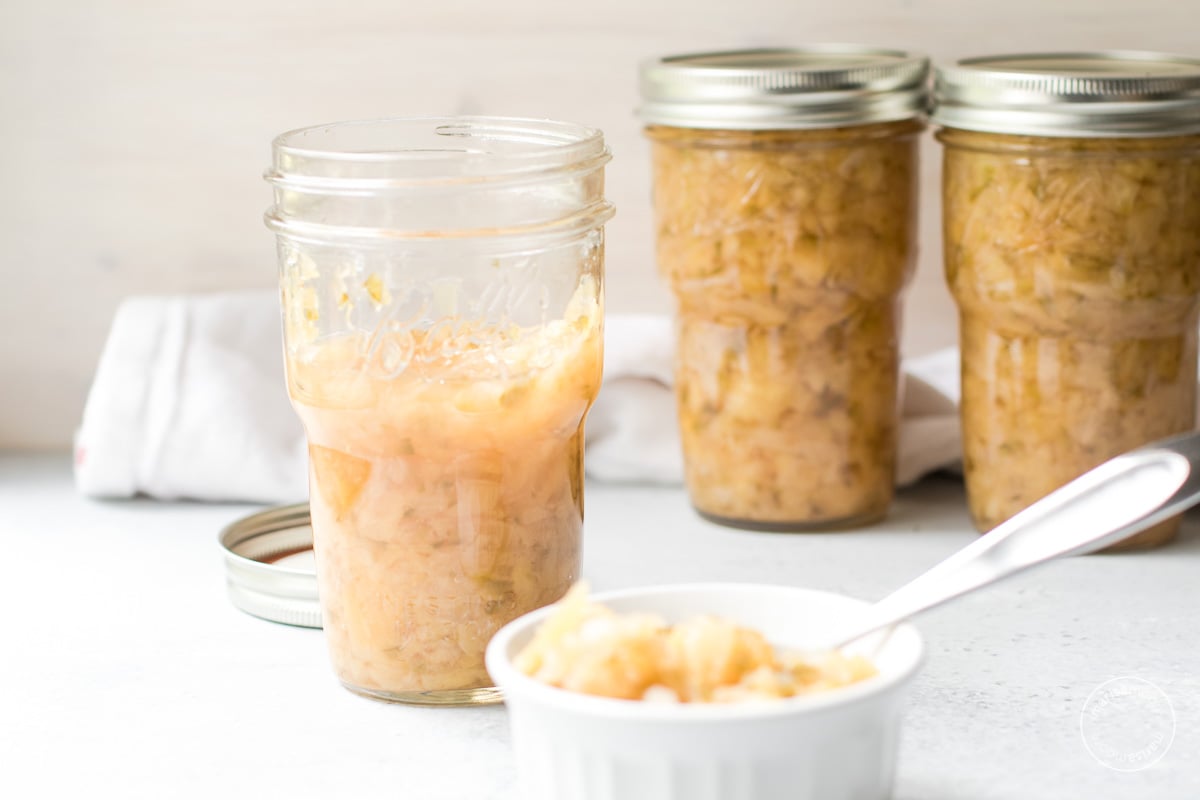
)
(838, 745)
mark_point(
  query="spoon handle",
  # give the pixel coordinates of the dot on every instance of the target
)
(1111, 502)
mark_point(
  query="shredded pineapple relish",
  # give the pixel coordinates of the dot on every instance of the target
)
(1076, 267)
(586, 647)
(787, 252)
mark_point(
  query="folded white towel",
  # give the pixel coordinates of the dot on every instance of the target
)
(189, 401)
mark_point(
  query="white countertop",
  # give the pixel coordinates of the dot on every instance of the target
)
(128, 674)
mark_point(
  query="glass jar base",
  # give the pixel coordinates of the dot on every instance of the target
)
(804, 526)
(484, 696)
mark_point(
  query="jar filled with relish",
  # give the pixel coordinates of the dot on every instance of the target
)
(785, 198)
(442, 311)
(1071, 203)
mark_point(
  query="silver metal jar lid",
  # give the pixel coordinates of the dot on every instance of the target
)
(1113, 93)
(816, 86)
(269, 566)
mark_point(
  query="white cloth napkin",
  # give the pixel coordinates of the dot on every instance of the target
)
(189, 401)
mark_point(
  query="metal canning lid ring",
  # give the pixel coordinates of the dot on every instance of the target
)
(1105, 93)
(815, 86)
(268, 566)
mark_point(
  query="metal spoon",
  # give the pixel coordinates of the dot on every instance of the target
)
(1116, 499)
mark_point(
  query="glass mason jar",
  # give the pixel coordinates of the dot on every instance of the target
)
(785, 194)
(441, 290)
(1072, 247)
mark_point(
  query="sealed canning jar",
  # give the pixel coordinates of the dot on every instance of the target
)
(441, 289)
(1072, 246)
(785, 187)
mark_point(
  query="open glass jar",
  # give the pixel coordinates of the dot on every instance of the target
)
(785, 187)
(441, 290)
(1072, 245)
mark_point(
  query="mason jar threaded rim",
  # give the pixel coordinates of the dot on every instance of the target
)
(430, 162)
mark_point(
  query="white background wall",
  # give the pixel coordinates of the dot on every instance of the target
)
(133, 132)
